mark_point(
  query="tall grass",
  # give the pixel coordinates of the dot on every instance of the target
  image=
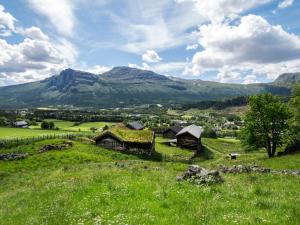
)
(87, 184)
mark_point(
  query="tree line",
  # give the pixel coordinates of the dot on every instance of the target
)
(237, 101)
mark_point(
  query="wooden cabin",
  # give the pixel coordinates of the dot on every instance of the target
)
(139, 142)
(135, 125)
(171, 132)
(190, 138)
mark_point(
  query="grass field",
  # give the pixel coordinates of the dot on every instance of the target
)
(7, 133)
(69, 126)
(87, 184)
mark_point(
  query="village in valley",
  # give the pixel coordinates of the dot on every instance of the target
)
(135, 149)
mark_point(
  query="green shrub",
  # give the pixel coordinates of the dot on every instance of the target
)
(209, 133)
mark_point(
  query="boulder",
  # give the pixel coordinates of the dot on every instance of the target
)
(64, 145)
(12, 156)
(254, 169)
(198, 175)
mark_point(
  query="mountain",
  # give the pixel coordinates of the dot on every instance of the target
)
(288, 78)
(124, 86)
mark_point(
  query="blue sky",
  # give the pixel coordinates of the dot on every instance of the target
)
(235, 41)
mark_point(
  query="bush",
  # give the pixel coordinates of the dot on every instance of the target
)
(3, 121)
(209, 133)
(47, 125)
(105, 128)
(51, 125)
(292, 147)
(77, 124)
(233, 117)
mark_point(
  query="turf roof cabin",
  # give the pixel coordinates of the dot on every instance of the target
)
(190, 138)
(171, 132)
(135, 125)
(139, 142)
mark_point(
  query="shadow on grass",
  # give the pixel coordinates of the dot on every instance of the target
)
(205, 154)
(156, 157)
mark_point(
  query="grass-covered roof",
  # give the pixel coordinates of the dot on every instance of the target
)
(127, 135)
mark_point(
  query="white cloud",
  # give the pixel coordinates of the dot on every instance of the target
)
(151, 56)
(226, 75)
(98, 69)
(250, 79)
(165, 25)
(253, 44)
(162, 68)
(285, 4)
(169, 68)
(160, 26)
(217, 11)
(7, 22)
(38, 58)
(33, 32)
(33, 58)
(144, 66)
(59, 12)
(192, 47)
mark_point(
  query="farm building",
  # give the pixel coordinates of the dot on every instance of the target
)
(171, 132)
(140, 142)
(190, 137)
(135, 125)
(20, 124)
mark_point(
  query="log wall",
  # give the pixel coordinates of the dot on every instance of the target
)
(188, 141)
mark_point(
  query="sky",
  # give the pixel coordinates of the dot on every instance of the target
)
(229, 41)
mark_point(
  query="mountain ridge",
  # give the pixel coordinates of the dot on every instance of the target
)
(124, 86)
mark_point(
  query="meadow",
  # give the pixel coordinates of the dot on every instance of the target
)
(69, 126)
(11, 133)
(86, 184)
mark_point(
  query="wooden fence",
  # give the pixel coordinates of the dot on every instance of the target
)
(13, 142)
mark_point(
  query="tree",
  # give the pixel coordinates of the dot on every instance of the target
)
(51, 125)
(294, 122)
(105, 127)
(294, 104)
(48, 125)
(3, 121)
(45, 125)
(266, 122)
(93, 129)
(209, 132)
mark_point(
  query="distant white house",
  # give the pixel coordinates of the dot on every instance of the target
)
(179, 122)
(135, 125)
(20, 124)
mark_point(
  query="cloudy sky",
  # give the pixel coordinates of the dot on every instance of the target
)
(236, 41)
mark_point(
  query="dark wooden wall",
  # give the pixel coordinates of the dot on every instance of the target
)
(169, 134)
(188, 141)
(111, 142)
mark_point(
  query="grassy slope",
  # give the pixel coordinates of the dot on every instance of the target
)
(86, 184)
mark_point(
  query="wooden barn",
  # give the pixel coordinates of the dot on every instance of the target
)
(190, 138)
(171, 132)
(140, 142)
(135, 125)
